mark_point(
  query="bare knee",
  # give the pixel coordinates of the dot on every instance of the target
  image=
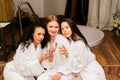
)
(77, 78)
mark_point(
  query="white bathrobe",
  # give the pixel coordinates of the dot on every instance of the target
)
(58, 60)
(82, 62)
(25, 65)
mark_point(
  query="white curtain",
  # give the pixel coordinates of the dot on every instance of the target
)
(101, 12)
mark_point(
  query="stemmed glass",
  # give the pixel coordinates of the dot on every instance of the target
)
(51, 49)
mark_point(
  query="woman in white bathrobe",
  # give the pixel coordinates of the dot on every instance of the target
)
(81, 61)
(26, 63)
(56, 41)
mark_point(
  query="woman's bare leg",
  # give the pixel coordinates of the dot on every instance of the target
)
(77, 78)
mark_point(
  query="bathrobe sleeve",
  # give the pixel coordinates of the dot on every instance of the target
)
(80, 57)
(61, 41)
(27, 63)
(58, 59)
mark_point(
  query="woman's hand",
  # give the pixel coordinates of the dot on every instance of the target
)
(43, 57)
(77, 78)
(53, 47)
(51, 51)
(57, 76)
(51, 56)
(63, 51)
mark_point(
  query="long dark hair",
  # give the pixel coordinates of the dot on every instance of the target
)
(76, 34)
(27, 37)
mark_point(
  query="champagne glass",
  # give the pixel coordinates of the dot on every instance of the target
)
(51, 49)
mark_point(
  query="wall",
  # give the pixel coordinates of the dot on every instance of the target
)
(37, 5)
(45, 7)
(118, 4)
(54, 7)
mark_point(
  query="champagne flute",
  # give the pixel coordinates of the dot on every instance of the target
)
(51, 49)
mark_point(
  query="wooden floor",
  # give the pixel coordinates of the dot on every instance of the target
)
(107, 54)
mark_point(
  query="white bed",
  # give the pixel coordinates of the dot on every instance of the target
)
(93, 36)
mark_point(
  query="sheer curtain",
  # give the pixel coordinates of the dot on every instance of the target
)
(101, 12)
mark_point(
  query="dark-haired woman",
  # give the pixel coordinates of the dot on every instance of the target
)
(82, 62)
(28, 58)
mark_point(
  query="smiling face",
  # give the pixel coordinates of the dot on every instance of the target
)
(53, 28)
(38, 35)
(66, 30)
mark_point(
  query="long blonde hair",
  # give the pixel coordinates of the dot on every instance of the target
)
(50, 18)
